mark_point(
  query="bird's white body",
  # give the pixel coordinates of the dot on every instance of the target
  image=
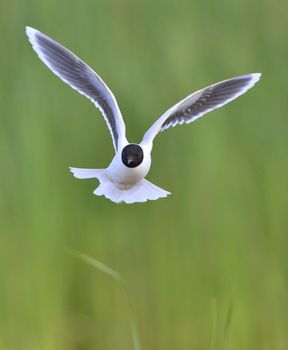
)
(124, 179)
(122, 175)
(122, 184)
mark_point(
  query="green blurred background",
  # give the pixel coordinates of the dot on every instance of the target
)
(219, 243)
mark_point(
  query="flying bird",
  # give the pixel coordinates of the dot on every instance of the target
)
(124, 179)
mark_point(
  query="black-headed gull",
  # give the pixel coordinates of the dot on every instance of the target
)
(124, 179)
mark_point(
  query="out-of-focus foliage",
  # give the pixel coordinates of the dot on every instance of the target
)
(219, 240)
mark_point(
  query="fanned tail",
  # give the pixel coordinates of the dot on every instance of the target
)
(142, 191)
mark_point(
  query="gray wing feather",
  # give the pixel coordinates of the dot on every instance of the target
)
(80, 77)
(201, 102)
(207, 99)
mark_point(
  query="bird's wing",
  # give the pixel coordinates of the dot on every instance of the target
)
(82, 78)
(201, 102)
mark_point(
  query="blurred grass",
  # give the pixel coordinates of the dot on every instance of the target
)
(221, 236)
(98, 265)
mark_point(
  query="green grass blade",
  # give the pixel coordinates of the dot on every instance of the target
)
(228, 323)
(213, 324)
(97, 264)
(118, 278)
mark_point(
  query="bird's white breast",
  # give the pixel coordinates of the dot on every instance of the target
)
(121, 174)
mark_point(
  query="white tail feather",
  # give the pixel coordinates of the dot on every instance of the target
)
(87, 173)
(117, 193)
(140, 192)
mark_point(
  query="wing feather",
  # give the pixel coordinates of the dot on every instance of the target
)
(201, 102)
(82, 78)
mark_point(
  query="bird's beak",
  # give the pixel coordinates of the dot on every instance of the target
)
(130, 160)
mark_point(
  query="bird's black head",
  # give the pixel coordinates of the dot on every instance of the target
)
(132, 155)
